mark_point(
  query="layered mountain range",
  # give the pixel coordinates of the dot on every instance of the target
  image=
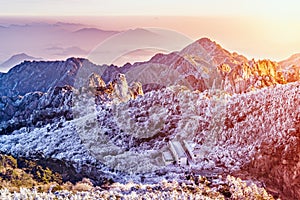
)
(62, 40)
(116, 121)
(200, 66)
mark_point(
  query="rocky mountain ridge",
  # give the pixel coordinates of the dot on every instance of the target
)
(201, 65)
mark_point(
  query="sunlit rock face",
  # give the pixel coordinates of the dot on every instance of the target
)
(95, 80)
(122, 92)
(254, 75)
(136, 89)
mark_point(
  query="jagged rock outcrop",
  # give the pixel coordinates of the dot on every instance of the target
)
(254, 75)
(204, 64)
(136, 89)
(122, 92)
(95, 80)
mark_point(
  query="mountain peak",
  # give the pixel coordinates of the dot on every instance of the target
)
(208, 44)
(205, 40)
(21, 55)
(94, 31)
(16, 59)
(205, 47)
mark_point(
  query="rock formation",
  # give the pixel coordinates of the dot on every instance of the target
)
(95, 80)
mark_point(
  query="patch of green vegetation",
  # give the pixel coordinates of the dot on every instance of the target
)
(40, 174)
(25, 173)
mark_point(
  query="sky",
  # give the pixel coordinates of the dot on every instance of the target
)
(269, 8)
(255, 28)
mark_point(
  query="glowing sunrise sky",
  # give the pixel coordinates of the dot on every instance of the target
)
(255, 28)
(154, 7)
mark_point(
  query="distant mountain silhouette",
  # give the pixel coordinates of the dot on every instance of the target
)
(16, 59)
(37, 38)
(289, 62)
(131, 40)
(95, 31)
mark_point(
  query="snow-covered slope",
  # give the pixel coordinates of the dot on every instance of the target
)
(236, 134)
